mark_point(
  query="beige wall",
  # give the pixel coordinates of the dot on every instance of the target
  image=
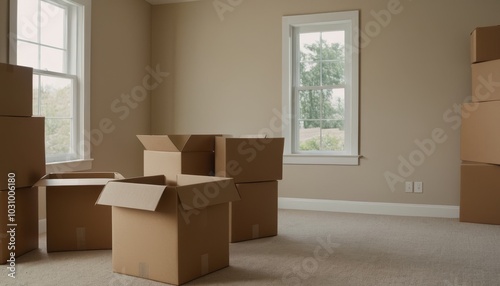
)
(226, 78)
(121, 49)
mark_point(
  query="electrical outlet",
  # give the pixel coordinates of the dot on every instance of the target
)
(409, 187)
(418, 187)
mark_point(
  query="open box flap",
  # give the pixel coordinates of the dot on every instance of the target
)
(142, 193)
(178, 143)
(197, 192)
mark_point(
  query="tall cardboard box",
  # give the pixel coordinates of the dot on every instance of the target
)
(485, 44)
(24, 225)
(249, 160)
(480, 193)
(480, 132)
(22, 150)
(486, 81)
(74, 222)
(256, 214)
(170, 155)
(170, 233)
(16, 90)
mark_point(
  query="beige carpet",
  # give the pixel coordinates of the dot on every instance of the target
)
(314, 248)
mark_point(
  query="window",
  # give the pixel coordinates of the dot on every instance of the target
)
(320, 88)
(53, 37)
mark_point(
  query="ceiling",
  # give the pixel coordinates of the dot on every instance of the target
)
(159, 2)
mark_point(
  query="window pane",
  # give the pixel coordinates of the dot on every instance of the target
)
(309, 46)
(57, 136)
(309, 135)
(52, 60)
(52, 25)
(333, 104)
(332, 73)
(57, 97)
(310, 74)
(310, 105)
(27, 20)
(332, 139)
(333, 45)
(27, 54)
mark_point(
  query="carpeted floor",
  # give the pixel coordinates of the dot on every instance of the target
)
(313, 248)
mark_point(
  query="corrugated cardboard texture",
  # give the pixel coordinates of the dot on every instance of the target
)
(22, 150)
(249, 159)
(74, 222)
(256, 214)
(26, 219)
(178, 143)
(485, 81)
(485, 44)
(480, 193)
(480, 132)
(170, 244)
(16, 96)
(170, 164)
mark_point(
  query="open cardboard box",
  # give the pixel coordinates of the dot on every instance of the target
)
(249, 160)
(74, 222)
(170, 233)
(170, 155)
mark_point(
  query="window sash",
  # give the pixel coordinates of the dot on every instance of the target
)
(77, 70)
(320, 23)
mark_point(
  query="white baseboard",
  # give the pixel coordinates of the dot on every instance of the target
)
(42, 226)
(417, 210)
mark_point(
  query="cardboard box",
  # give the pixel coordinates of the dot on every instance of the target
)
(170, 233)
(249, 160)
(480, 193)
(486, 81)
(256, 214)
(480, 132)
(22, 150)
(25, 220)
(170, 155)
(16, 97)
(485, 44)
(74, 222)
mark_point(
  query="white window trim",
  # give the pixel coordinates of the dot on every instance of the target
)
(351, 157)
(84, 163)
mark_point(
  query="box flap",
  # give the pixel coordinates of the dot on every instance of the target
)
(127, 194)
(178, 143)
(196, 192)
(77, 179)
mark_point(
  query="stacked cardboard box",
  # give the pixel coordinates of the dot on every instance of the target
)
(255, 164)
(74, 222)
(22, 151)
(170, 232)
(480, 135)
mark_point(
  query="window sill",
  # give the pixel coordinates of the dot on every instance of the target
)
(296, 159)
(69, 166)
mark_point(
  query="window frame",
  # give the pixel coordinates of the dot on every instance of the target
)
(290, 26)
(80, 19)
